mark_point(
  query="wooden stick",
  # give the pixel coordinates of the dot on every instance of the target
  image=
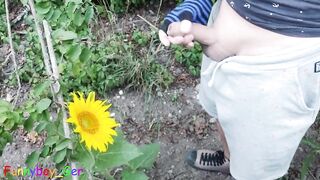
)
(40, 34)
(52, 57)
(148, 22)
(55, 75)
(13, 54)
(52, 70)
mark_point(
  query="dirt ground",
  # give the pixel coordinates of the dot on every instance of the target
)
(172, 118)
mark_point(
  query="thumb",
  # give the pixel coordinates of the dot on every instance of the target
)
(163, 38)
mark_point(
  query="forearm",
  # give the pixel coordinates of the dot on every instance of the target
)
(197, 11)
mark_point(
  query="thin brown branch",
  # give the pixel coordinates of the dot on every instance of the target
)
(13, 54)
(148, 22)
(41, 38)
(5, 61)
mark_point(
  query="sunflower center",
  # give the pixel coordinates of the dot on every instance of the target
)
(88, 122)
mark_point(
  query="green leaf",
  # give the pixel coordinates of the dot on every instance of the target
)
(76, 68)
(45, 151)
(306, 164)
(5, 106)
(32, 159)
(51, 140)
(119, 153)
(57, 13)
(59, 156)
(49, 14)
(63, 144)
(84, 176)
(63, 35)
(28, 124)
(84, 157)
(78, 19)
(75, 1)
(85, 55)
(64, 48)
(43, 104)
(3, 117)
(70, 9)
(8, 124)
(41, 126)
(4, 109)
(43, 7)
(39, 89)
(89, 14)
(146, 160)
(74, 52)
(129, 175)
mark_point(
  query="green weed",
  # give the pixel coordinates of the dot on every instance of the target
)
(190, 58)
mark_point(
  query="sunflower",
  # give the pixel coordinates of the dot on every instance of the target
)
(92, 121)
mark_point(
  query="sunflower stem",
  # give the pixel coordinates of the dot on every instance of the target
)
(108, 175)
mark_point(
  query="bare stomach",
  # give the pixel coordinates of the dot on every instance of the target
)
(236, 36)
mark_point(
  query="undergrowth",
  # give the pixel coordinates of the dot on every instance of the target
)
(86, 63)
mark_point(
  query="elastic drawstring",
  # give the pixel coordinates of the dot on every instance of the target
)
(215, 68)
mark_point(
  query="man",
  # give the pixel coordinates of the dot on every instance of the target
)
(260, 77)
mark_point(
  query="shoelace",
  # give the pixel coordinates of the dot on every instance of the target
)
(212, 159)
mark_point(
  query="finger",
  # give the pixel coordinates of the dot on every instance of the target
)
(190, 45)
(176, 40)
(179, 28)
(185, 26)
(174, 29)
(187, 39)
(164, 38)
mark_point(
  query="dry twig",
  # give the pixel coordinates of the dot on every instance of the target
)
(148, 22)
(40, 34)
(12, 54)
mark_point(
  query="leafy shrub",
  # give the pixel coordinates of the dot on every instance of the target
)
(87, 64)
(9, 120)
(191, 58)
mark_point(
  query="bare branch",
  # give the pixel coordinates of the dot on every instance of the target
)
(13, 54)
(148, 22)
(41, 38)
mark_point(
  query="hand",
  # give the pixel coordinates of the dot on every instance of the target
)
(178, 33)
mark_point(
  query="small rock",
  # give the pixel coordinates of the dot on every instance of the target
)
(170, 171)
(169, 115)
(9, 97)
(26, 115)
(112, 114)
(197, 88)
(121, 92)
(180, 111)
(123, 97)
(118, 97)
(212, 120)
(164, 102)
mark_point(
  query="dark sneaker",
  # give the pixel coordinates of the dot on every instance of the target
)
(208, 160)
